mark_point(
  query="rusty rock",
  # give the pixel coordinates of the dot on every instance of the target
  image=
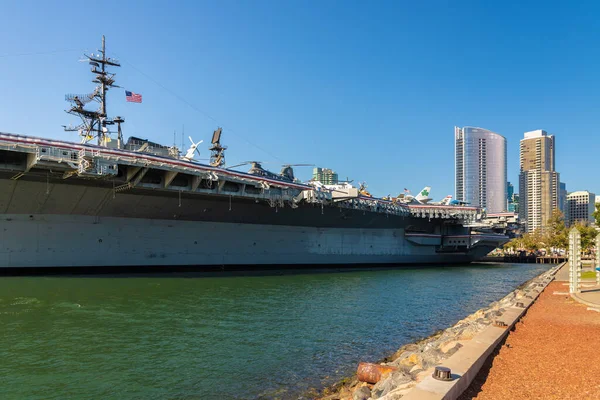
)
(372, 373)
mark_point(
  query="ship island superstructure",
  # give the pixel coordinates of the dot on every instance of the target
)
(139, 203)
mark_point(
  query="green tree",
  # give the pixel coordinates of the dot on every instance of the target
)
(597, 214)
(514, 245)
(529, 241)
(557, 235)
(588, 235)
(532, 241)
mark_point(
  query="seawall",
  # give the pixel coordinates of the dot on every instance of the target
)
(463, 348)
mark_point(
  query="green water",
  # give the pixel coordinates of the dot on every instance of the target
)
(224, 337)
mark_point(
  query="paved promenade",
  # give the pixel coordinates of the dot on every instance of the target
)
(590, 292)
(551, 354)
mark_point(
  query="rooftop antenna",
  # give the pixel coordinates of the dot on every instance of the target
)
(217, 152)
(119, 121)
(173, 150)
(95, 123)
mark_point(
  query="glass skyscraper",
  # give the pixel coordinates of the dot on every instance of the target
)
(480, 168)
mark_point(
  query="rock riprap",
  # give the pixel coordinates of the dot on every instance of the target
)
(414, 361)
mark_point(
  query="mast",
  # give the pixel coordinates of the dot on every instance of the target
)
(102, 81)
(95, 124)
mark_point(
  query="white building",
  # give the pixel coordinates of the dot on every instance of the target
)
(580, 207)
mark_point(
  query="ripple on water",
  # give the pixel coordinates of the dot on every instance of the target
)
(24, 301)
(235, 337)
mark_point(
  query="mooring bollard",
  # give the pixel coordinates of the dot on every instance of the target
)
(442, 374)
(500, 324)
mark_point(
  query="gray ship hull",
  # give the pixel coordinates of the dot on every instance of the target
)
(85, 241)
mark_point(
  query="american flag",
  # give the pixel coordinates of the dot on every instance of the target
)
(133, 97)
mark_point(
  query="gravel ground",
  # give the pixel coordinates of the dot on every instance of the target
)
(553, 353)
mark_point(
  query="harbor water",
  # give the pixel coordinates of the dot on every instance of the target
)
(243, 336)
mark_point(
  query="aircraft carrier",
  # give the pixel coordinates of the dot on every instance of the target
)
(136, 203)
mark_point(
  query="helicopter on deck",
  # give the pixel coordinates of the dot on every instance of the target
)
(256, 168)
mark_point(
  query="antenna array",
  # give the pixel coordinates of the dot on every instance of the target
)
(96, 123)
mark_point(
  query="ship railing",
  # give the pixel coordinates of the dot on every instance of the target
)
(373, 205)
(314, 196)
(84, 164)
(445, 213)
(56, 154)
(94, 155)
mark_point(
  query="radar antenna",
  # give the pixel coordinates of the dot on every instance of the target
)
(217, 152)
(95, 123)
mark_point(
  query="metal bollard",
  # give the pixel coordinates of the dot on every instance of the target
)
(500, 324)
(442, 374)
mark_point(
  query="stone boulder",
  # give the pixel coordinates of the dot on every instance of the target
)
(362, 393)
(393, 381)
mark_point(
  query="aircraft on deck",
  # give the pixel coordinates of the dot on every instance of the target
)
(459, 203)
(444, 202)
(423, 198)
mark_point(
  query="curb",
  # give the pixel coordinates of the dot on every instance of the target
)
(466, 363)
(578, 299)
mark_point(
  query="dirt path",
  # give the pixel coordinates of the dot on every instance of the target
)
(553, 353)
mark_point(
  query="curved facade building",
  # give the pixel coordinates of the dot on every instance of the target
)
(480, 162)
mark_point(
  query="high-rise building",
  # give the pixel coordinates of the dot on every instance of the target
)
(325, 176)
(562, 198)
(480, 168)
(538, 180)
(514, 206)
(580, 207)
(512, 198)
(510, 192)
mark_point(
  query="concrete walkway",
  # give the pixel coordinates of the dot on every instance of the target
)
(590, 292)
(550, 354)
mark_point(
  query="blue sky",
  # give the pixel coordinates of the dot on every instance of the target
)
(370, 89)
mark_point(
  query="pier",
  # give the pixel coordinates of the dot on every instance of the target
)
(526, 259)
